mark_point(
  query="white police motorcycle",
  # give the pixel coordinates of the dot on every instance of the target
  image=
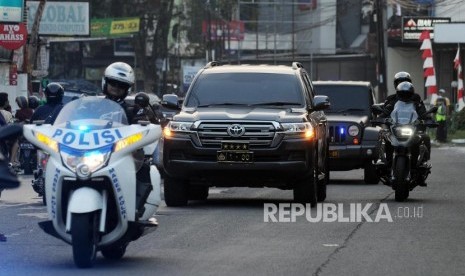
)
(95, 198)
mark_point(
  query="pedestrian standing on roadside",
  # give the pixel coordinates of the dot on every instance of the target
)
(443, 105)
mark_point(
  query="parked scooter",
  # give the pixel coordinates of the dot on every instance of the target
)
(404, 130)
(27, 156)
(38, 183)
(94, 199)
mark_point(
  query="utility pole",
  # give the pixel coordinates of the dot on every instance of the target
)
(32, 47)
(381, 55)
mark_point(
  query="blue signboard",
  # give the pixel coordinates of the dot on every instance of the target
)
(11, 11)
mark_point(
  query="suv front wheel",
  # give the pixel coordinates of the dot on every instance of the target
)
(305, 190)
(176, 191)
(370, 176)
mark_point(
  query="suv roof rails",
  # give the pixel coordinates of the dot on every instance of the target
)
(296, 65)
(212, 64)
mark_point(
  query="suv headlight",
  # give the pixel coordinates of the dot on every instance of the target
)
(404, 131)
(176, 129)
(353, 130)
(298, 130)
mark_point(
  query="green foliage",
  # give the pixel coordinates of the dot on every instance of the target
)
(458, 121)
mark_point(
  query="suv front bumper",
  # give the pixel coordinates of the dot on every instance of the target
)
(272, 167)
(349, 157)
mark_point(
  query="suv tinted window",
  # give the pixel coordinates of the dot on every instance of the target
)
(245, 88)
(341, 100)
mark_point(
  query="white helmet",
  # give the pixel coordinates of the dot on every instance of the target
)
(121, 73)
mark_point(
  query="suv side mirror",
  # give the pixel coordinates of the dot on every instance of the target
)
(170, 101)
(321, 102)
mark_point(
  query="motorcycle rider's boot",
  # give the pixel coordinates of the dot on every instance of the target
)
(424, 170)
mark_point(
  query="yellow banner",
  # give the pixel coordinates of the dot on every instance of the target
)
(125, 26)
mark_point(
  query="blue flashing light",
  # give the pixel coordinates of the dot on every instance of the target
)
(83, 128)
(341, 130)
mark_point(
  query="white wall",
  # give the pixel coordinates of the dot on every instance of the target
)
(13, 91)
(405, 59)
(452, 8)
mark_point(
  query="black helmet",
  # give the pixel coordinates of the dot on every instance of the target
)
(34, 102)
(142, 99)
(54, 92)
(22, 102)
(405, 91)
(400, 77)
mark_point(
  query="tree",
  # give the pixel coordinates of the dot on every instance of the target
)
(150, 43)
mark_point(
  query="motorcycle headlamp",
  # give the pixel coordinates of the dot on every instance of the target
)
(90, 160)
(298, 130)
(404, 131)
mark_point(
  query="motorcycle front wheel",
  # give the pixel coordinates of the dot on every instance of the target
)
(84, 238)
(114, 252)
(400, 175)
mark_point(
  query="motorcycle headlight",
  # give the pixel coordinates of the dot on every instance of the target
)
(404, 132)
(298, 130)
(93, 160)
(353, 130)
(177, 129)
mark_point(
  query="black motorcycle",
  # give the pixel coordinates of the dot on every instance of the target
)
(404, 130)
(38, 183)
(27, 156)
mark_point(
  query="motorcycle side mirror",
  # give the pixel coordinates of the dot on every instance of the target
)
(377, 109)
(433, 109)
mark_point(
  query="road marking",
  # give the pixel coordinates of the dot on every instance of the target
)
(330, 244)
(36, 215)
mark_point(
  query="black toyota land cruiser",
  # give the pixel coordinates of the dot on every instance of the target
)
(247, 126)
(353, 142)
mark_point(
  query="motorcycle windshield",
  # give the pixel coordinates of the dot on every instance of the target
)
(90, 113)
(404, 113)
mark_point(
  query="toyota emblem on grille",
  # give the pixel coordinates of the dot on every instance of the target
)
(236, 130)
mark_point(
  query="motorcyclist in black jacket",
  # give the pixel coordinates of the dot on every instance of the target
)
(405, 92)
(48, 112)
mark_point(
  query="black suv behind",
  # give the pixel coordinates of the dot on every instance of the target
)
(247, 126)
(353, 142)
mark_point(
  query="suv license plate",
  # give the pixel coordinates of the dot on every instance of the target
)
(234, 152)
(234, 157)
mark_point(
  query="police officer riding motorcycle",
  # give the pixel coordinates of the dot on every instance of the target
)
(405, 145)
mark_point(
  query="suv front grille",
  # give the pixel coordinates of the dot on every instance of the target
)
(258, 134)
(337, 134)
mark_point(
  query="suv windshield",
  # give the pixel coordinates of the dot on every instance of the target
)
(249, 89)
(345, 98)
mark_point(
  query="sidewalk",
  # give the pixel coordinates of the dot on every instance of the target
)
(453, 142)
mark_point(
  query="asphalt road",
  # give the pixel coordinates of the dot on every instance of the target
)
(227, 235)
